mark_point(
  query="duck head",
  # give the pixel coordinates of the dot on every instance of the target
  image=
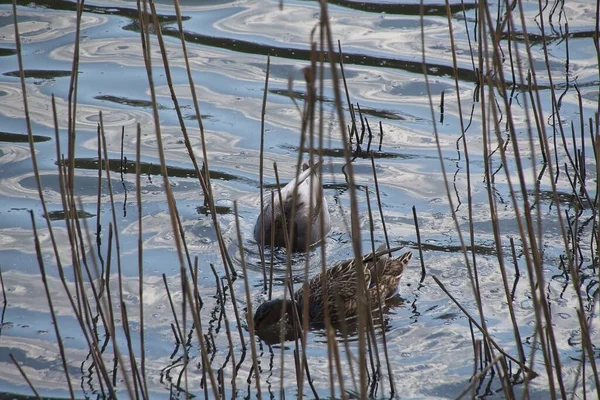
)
(267, 320)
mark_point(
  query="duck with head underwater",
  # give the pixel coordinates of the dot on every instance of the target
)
(307, 220)
(342, 295)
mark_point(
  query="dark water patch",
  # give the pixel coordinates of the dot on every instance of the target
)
(295, 94)
(4, 52)
(86, 186)
(383, 114)
(115, 165)
(194, 117)
(478, 249)
(60, 215)
(546, 39)
(128, 102)
(362, 153)
(244, 46)
(21, 138)
(39, 74)
(404, 9)
(128, 12)
(221, 210)
(282, 71)
(567, 199)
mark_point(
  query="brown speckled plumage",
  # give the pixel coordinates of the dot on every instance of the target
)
(339, 285)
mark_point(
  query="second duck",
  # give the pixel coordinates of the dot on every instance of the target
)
(307, 219)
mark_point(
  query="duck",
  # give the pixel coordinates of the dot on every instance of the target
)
(341, 290)
(306, 219)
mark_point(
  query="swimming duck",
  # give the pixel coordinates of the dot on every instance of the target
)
(305, 220)
(341, 290)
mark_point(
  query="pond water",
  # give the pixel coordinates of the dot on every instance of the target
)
(428, 337)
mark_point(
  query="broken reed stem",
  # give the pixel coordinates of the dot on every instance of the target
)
(423, 271)
(24, 375)
(380, 208)
(350, 108)
(3, 288)
(179, 332)
(72, 101)
(261, 246)
(61, 347)
(250, 317)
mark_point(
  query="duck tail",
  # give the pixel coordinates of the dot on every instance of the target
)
(396, 267)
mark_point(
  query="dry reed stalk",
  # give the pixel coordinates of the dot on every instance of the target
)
(472, 270)
(165, 60)
(59, 341)
(355, 232)
(24, 375)
(137, 381)
(76, 307)
(380, 309)
(140, 249)
(288, 240)
(310, 102)
(178, 331)
(477, 378)
(72, 101)
(353, 128)
(250, 316)
(332, 348)
(261, 178)
(496, 232)
(3, 292)
(220, 291)
(144, 16)
(379, 207)
(114, 216)
(534, 265)
(227, 263)
(272, 246)
(423, 271)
